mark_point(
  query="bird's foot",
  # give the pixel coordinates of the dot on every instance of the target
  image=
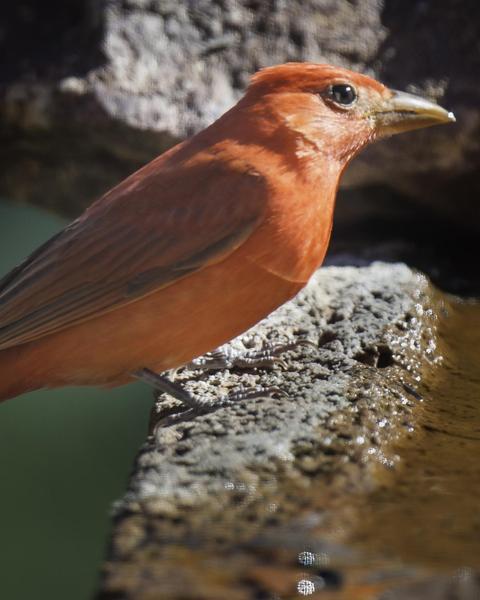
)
(268, 357)
(195, 406)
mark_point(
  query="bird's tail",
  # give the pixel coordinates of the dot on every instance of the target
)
(15, 376)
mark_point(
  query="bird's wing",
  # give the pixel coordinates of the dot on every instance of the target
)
(158, 226)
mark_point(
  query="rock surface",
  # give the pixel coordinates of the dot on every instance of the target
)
(255, 500)
(91, 91)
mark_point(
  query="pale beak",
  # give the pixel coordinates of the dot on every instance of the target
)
(404, 112)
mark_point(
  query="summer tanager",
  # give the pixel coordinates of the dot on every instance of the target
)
(202, 242)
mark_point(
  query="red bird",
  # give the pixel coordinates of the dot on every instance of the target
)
(201, 243)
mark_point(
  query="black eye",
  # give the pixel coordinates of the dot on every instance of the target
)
(343, 94)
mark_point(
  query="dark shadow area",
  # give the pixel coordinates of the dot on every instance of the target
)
(50, 38)
(377, 224)
(425, 29)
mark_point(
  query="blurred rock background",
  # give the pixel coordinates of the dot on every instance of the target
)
(92, 90)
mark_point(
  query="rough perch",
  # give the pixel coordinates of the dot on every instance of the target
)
(224, 505)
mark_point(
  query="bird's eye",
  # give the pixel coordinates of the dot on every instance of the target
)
(343, 94)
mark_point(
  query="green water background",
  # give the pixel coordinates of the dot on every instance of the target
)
(65, 456)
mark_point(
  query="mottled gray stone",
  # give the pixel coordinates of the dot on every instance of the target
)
(266, 475)
(345, 312)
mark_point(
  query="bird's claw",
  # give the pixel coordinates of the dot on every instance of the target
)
(268, 357)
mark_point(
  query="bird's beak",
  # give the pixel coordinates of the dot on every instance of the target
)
(404, 112)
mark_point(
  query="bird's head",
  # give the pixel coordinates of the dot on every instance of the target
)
(335, 111)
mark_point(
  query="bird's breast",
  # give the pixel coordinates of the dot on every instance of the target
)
(292, 240)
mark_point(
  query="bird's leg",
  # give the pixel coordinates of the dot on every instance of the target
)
(268, 357)
(163, 384)
(196, 406)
